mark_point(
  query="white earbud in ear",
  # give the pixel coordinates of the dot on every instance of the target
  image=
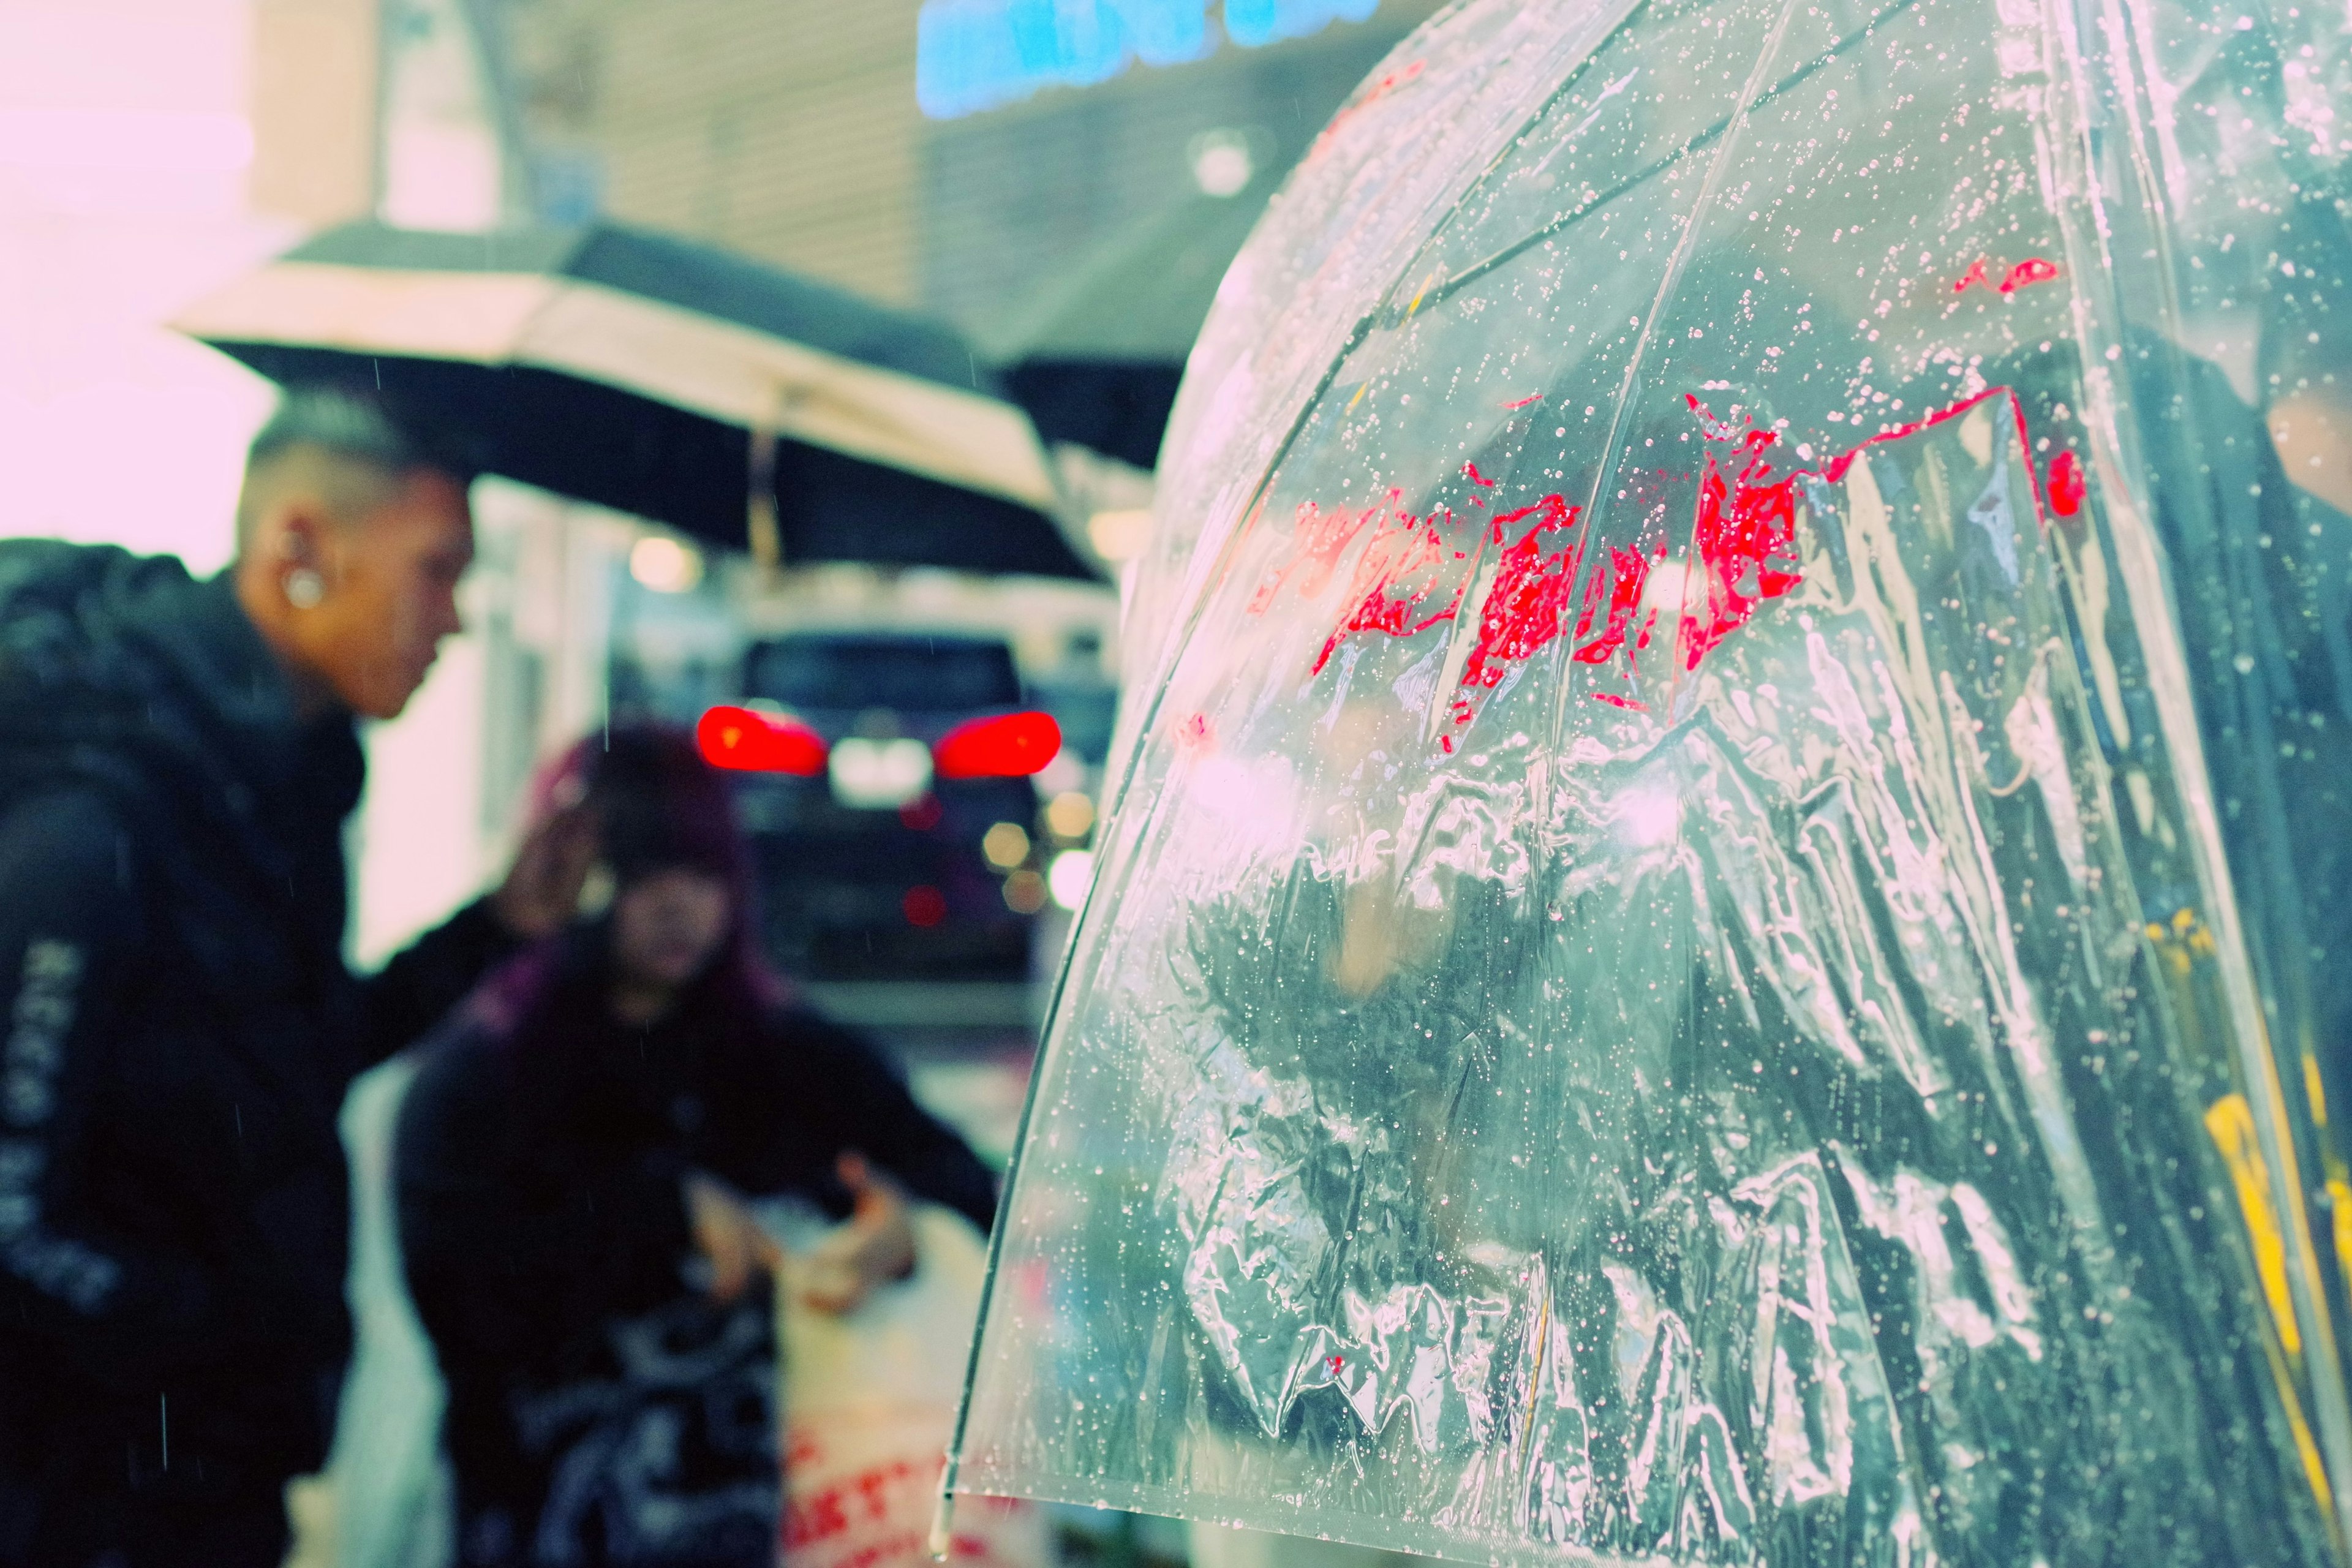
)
(305, 588)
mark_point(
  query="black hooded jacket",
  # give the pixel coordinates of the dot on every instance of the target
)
(179, 1029)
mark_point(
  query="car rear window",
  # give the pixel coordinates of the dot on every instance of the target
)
(905, 673)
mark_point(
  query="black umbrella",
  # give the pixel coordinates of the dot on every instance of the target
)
(1096, 356)
(657, 376)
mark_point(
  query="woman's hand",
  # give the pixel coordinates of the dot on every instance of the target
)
(730, 1240)
(541, 890)
(875, 1247)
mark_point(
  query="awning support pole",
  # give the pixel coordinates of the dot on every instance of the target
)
(765, 537)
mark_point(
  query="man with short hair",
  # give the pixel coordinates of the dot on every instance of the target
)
(177, 1026)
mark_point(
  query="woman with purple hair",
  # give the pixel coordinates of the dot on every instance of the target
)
(571, 1166)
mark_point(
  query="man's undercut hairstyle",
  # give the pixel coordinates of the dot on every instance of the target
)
(367, 447)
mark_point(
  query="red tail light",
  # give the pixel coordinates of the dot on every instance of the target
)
(745, 740)
(1011, 747)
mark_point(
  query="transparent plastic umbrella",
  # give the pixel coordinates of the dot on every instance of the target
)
(1722, 934)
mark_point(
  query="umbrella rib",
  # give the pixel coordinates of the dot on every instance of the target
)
(1502, 153)
(1437, 293)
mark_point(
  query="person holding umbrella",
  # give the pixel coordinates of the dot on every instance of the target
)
(177, 762)
(745, 407)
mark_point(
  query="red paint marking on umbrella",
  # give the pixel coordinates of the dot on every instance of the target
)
(2066, 485)
(1395, 579)
(1476, 478)
(1525, 402)
(1398, 590)
(1743, 555)
(1195, 734)
(1629, 573)
(1529, 601)
(1317, 539)
(2030, 271)
(1528, 604)
(1835, 471)
(1744, 534)
(1336, 1362)
(1745, 537)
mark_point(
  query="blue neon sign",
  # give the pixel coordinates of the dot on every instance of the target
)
(972, 55)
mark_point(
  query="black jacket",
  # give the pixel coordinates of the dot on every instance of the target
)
(180, 1028)
(539, 1163)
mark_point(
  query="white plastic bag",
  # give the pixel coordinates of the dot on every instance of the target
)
(385, 1501)
(869, 1403)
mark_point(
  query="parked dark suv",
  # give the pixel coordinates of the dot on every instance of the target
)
(873, 767)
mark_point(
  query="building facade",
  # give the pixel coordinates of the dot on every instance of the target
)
(794, 129)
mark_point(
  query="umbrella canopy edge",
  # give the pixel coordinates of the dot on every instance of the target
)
(716, 367)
